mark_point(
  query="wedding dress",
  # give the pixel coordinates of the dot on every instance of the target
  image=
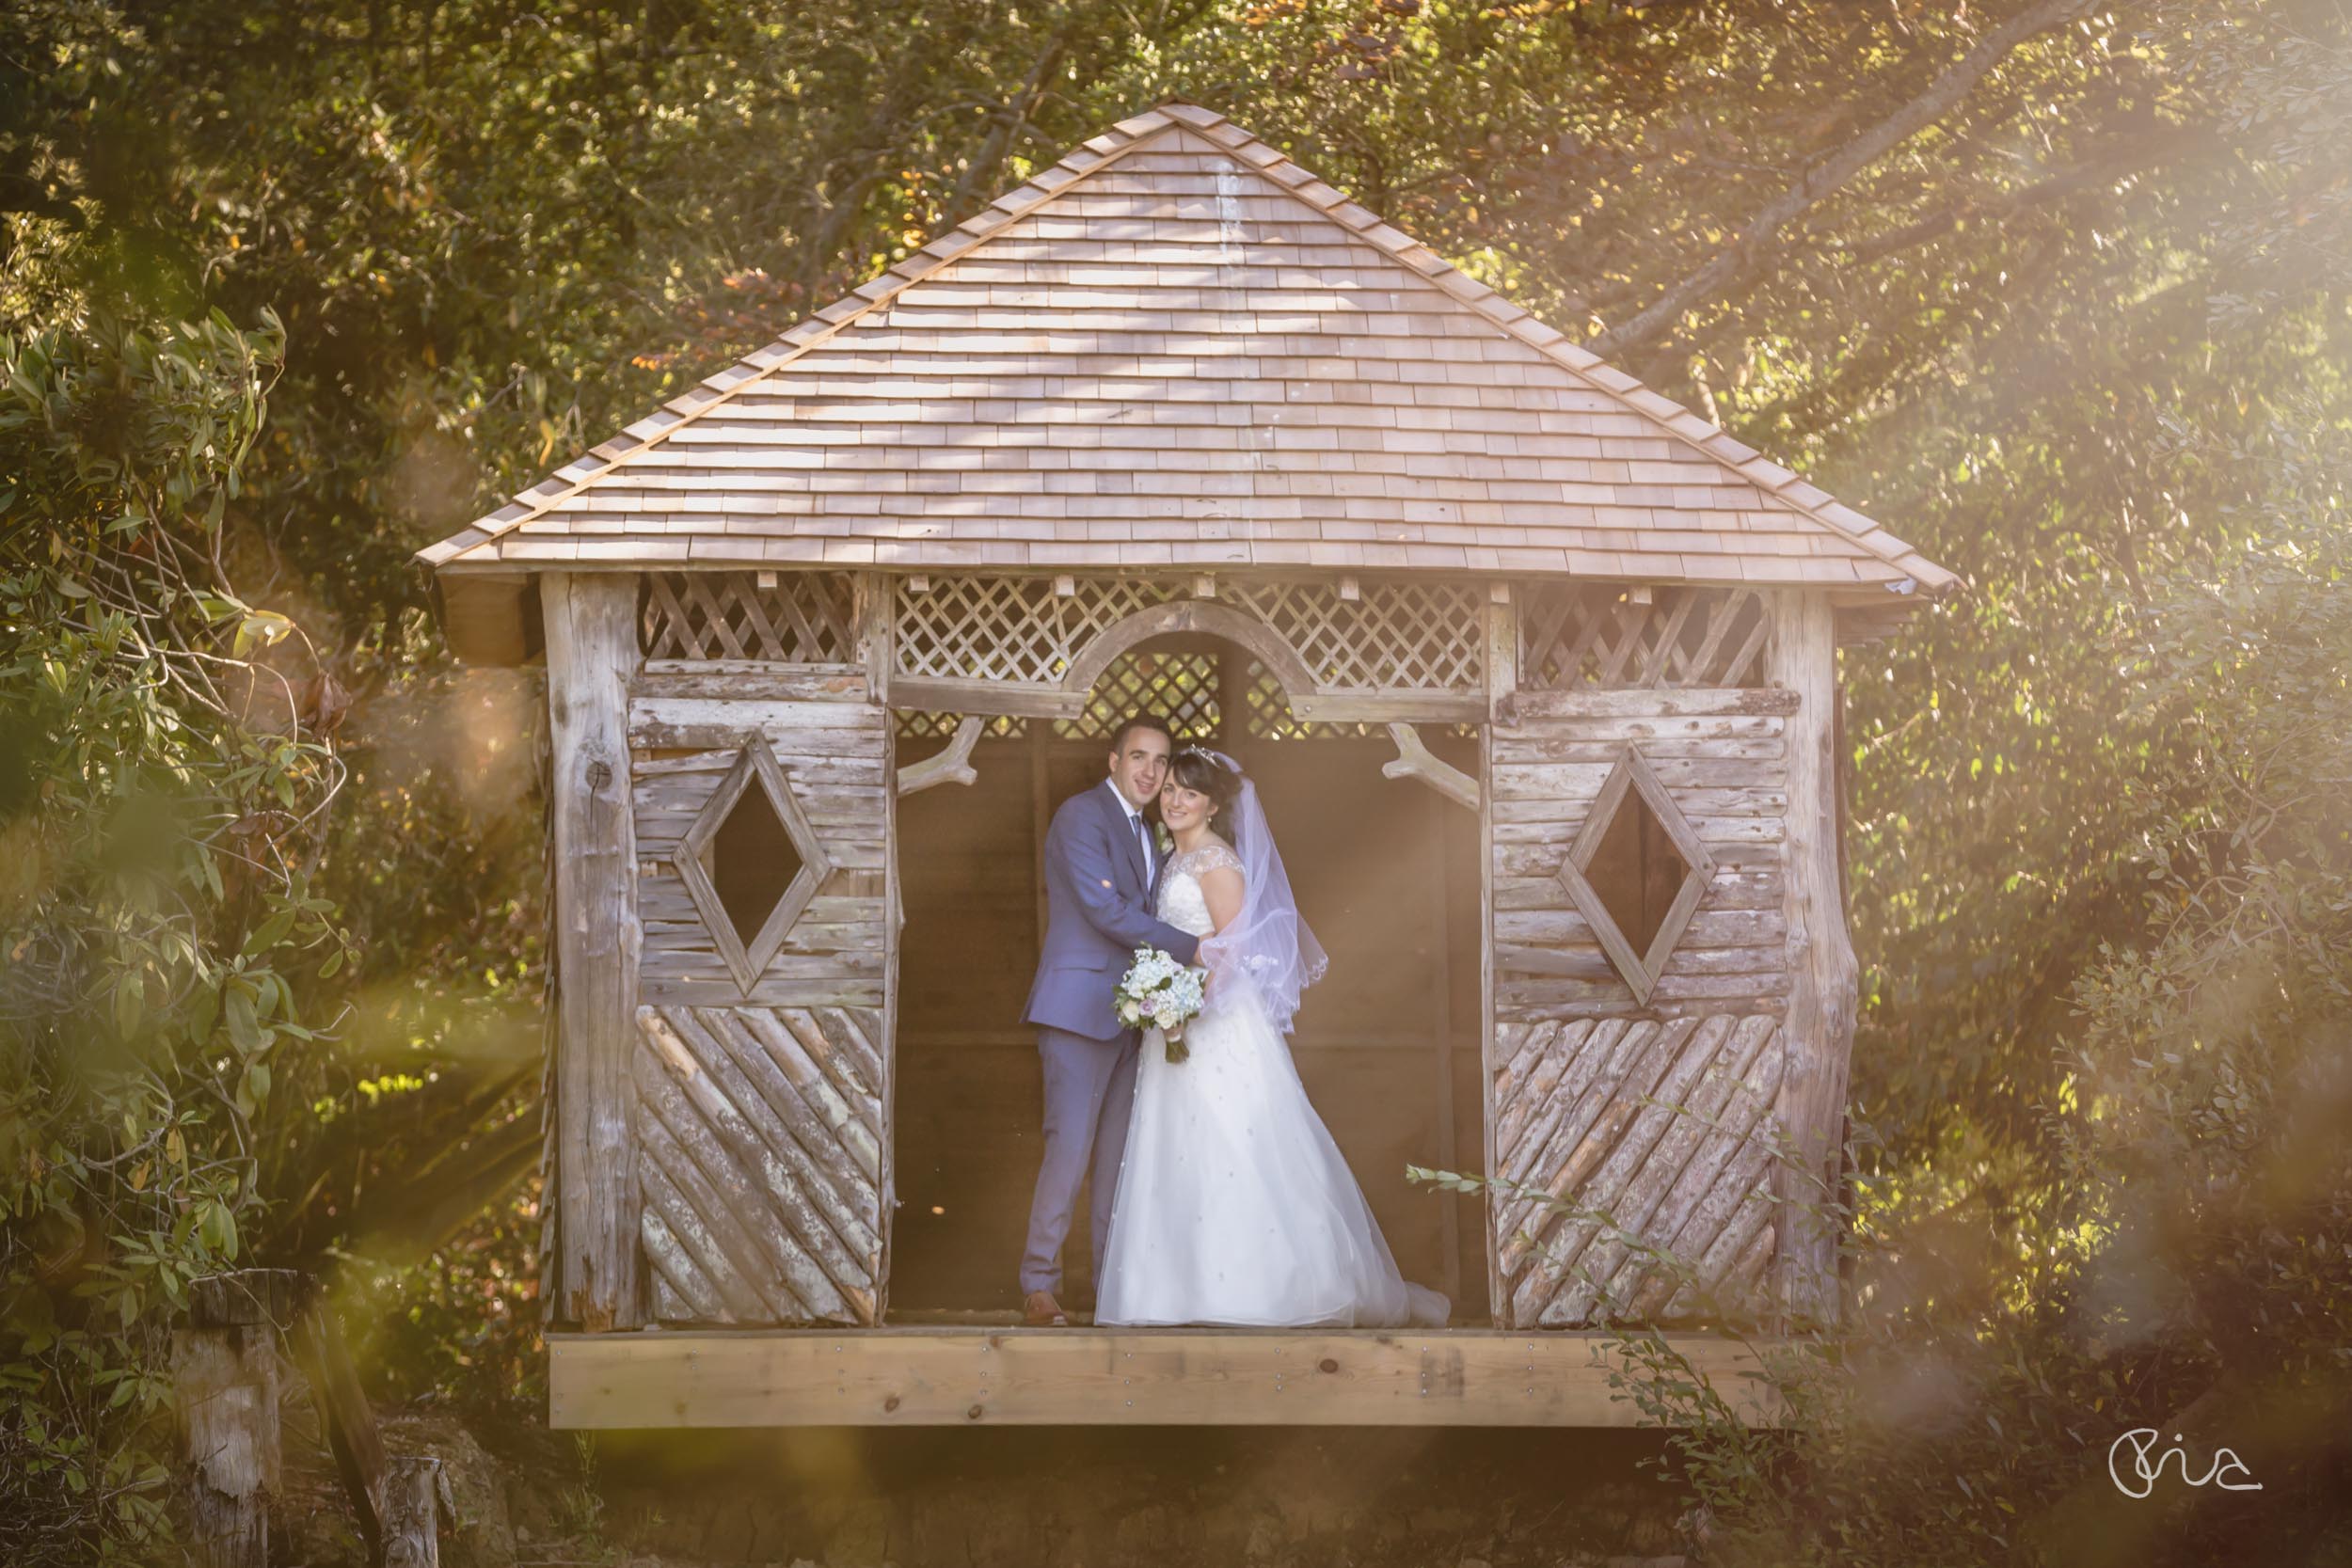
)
(1235, 1206)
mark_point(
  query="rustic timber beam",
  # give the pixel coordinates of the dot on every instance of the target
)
(1114, 1377)
(591, 621)
(994, 699)
(1653, 702)
(951, 765)
(748, 680)
(1415, 761)
(1824, 982)
(1389, 707)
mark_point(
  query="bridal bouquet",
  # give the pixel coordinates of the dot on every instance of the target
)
(1156, 989)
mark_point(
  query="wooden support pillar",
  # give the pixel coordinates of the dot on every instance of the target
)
(225, 1374)
(1502, 684)
(1822, 980)
(591, 656)
(877, 630)
(1503, 648)
(877, 626)
(1442, 1020)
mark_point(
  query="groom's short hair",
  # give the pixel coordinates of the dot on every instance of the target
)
(1140, 721)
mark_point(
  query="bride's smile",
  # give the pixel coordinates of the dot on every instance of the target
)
(1186, 812)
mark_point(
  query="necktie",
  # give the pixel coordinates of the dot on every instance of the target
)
(1143, 835)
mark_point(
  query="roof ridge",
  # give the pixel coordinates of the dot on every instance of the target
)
(1102, 152)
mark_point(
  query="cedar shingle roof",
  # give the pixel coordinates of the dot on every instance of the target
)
(1176, 348)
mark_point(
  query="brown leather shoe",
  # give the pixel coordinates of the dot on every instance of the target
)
(1044, 1311)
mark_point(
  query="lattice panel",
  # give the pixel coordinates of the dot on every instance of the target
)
(1407, 636)
(1012, 628)
(1596, 634)
(761, 1163)
(1180, 685)
(1662, 1126)
(806, 618)
(1265, 709)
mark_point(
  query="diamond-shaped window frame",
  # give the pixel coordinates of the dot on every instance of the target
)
(753, 764)
(1640, 969)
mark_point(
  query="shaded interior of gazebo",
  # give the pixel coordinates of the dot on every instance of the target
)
(1387, 1045)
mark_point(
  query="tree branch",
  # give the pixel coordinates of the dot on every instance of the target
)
(1721, 270)
(1013, 118)
(2093, 173)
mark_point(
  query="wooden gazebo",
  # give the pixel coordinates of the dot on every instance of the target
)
(1536, 667)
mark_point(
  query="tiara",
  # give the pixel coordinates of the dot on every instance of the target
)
(1206, 754)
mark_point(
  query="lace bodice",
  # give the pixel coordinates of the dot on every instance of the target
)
(1182, 903)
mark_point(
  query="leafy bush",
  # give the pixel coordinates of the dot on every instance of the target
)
(160, 814)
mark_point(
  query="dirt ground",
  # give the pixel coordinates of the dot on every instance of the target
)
(1170, 1497)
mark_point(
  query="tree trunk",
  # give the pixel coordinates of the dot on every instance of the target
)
(225, 1370)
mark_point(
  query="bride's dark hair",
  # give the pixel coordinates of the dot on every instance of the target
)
(1194, 768)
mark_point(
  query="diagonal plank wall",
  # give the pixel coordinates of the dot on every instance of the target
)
(760, 1162)
(1656, 1115)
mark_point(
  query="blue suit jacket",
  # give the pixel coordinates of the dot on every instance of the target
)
(1098, 899)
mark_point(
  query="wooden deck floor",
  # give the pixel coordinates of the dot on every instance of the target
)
(934, 1375)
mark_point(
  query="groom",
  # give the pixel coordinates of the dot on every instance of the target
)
(1102, 868)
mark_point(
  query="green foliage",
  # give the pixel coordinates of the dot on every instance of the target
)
(155, 910)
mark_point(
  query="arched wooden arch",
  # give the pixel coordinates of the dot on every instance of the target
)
(1202, 615)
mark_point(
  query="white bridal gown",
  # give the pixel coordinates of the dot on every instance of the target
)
(1234, 1206)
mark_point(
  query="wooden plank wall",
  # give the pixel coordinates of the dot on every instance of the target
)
(763, 1149)
(833, 746)
(1656, 1115)
(1719, 753)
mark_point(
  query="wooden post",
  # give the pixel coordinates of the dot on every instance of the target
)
(1441, 998)
(225, 1371)
(414, 1492)
(1503, 648)
(1041, 821)
(876, 618)
(1502, 683)
(592, 655)
(1822, 980)
(879, 628)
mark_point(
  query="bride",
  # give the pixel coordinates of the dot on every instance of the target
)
(1235, 1206)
